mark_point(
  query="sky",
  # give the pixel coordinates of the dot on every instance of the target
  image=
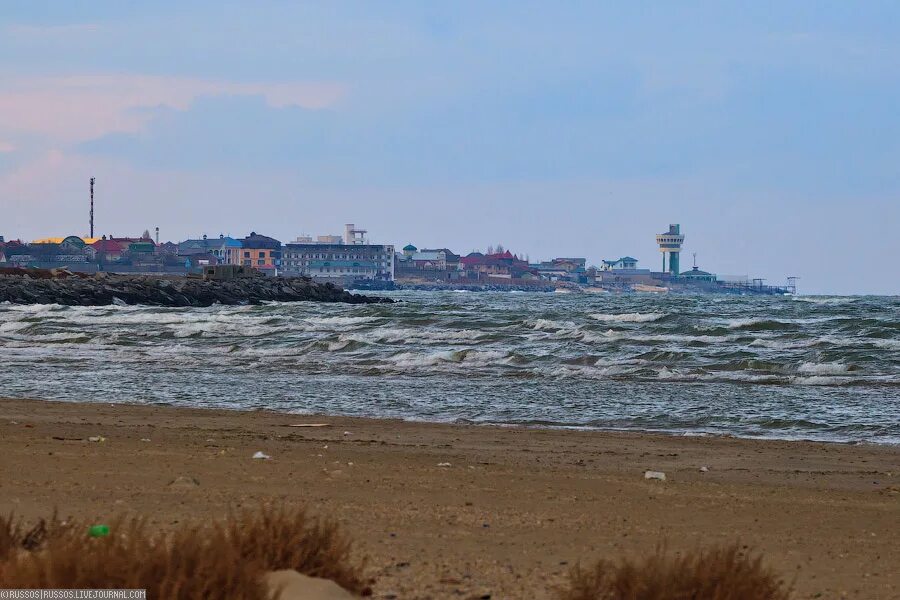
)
(769, 130)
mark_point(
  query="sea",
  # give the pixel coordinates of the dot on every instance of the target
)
(795, 367)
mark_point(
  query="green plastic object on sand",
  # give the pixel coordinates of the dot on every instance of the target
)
(98, 531)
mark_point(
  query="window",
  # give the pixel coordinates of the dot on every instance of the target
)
(246, 255)
(261, 262)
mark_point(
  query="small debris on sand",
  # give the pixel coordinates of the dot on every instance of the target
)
(291, 585)
(183, 483)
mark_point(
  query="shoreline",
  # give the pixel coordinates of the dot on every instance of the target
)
(445, 511)
(469, 423)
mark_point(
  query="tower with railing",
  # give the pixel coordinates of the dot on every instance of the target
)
(670, 244)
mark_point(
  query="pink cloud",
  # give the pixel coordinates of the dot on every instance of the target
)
(81, 107)
(6, 146)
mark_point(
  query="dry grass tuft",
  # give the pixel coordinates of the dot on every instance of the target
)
(14, 537)
(722, 573)
(223, 559)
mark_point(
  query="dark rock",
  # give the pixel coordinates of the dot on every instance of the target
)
(36, 286)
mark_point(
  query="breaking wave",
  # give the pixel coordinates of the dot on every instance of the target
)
(629, 317)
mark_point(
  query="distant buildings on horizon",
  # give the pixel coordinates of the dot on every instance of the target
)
(344, 259)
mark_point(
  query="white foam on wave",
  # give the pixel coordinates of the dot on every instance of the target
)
(834, 368)
(664, 337)
(428, 359)
(53, 337)
(885, 344)
(409, 335)
(825, 300)
(550, 325)
(34, 309)
(473, 358)
(820, 380)
(586, 371)
(628, 317)
(782, 344)
(339, 321)
(748, 322)
(225, 328)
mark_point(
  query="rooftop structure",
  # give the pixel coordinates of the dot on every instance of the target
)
(670, 243)
(353, 235)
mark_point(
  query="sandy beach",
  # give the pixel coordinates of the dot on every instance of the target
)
(455, 511)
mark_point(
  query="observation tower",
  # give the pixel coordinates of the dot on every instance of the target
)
(670, 243)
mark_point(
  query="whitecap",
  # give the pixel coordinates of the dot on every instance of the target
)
(629, 317)
(820, 380)
(834, 368)
(339, 321)
(550, 325)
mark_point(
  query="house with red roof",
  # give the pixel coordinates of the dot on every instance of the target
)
(108, 250)
(503, 265)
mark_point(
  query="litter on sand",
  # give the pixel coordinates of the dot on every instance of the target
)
(96, 438)
(443, 464)
(655, 475)
(261, 456)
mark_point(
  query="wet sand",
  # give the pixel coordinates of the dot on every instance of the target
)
(513, 511)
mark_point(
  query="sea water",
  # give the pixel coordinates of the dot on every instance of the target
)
(822, 368)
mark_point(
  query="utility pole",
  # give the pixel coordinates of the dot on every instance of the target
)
(92, 208)
(157, 236)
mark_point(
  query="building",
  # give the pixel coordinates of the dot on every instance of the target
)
(260, 252)
(670, 244)
(503, 265)
(450, 258)
(226, 250)
(340, 263)
(108, 250)
(624, 263)
(562, 269)
(695, 274)
(435, 264)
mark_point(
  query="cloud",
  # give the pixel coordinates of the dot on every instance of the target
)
(69, 109)
(6, 147)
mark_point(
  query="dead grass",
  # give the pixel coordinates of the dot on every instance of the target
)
(222, 559)
(15, 537)
(721, 573)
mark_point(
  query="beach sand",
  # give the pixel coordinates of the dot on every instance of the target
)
(508, 514)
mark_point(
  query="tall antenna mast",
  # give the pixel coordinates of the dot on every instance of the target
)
(92, 208)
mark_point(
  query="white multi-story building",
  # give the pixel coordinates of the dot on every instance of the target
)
(340, 263)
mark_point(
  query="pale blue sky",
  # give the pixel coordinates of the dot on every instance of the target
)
(768, 130)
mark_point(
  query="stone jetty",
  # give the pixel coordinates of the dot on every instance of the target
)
(38, 286)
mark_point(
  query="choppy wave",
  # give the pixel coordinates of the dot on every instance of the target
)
(628, 317)
(818, 368)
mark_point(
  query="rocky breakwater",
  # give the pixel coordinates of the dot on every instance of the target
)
(34, 286)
